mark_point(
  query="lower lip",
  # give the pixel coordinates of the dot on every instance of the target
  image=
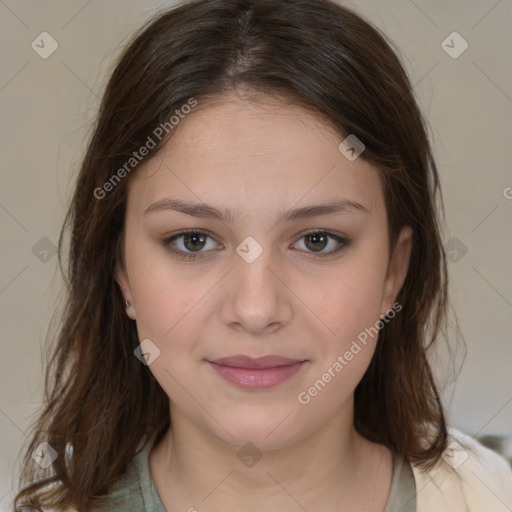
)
(262, 378)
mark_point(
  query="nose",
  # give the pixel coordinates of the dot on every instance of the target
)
(256, 298)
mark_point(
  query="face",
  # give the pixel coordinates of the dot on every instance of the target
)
(265, 274)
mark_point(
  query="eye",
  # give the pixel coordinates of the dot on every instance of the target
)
(317, 241)
(192, 242)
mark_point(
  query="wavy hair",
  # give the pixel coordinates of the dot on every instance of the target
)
(99, 400)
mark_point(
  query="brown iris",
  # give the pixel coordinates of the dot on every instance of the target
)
(316, 238)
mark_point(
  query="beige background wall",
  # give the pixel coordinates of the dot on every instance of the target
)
(47, 105)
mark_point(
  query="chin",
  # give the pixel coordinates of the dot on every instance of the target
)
(265, 433)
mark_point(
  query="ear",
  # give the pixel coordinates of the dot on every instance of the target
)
(397, 269)
(124, 284)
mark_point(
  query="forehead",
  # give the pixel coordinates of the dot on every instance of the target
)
(253, 152)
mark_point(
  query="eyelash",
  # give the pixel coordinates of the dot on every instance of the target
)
(167, 243)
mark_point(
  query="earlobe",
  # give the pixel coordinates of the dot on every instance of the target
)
(397, 271)
(124, 285)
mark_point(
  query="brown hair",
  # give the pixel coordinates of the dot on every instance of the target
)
(100, 401)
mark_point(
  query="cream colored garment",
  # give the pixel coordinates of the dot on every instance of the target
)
(468, 478)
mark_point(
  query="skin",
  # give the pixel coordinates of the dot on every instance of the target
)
(260, 157)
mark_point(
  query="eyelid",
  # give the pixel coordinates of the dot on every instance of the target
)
(342, 240)
(329, 232)
(209, 234)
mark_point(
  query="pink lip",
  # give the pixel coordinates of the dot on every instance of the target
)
(242, 361)
(261, 373)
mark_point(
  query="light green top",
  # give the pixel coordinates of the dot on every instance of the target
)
(136, 492)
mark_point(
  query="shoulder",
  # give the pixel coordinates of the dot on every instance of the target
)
(125, 494)
(468, 478)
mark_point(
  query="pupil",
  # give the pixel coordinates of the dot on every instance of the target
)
(194, 237)
(317, 238)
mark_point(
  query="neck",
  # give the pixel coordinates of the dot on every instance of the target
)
(329, 464)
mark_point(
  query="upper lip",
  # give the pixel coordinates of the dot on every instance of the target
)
(241, 361)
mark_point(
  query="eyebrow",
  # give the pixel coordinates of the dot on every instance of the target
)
(206, 211)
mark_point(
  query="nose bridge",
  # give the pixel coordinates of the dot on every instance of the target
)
(256, 297)
(252, 275)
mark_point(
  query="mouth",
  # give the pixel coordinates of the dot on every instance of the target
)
(256, 373)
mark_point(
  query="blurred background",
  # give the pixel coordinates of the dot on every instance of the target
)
(56, 56)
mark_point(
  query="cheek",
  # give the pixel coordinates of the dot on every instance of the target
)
(164, 307)
(349, 299)
(169, 314)
(350, 306)
(166, 296)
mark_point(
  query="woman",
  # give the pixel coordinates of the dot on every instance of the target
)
(256, 275)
